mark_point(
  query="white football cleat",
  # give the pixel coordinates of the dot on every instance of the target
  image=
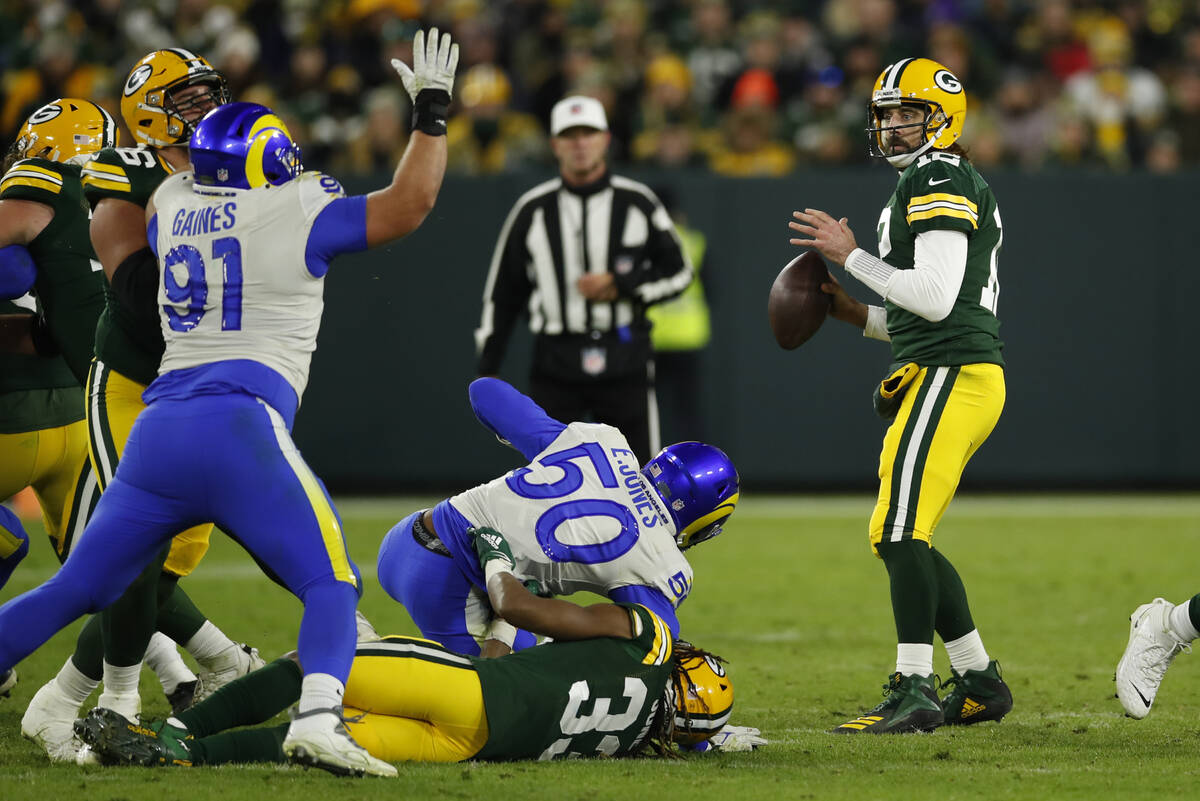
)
(233, 663)
(330, 748)
(1151, 649)
(49, 720)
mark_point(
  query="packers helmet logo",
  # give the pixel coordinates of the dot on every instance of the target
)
(715, 666)
(946, 81)
(137, 79)
(45, 114)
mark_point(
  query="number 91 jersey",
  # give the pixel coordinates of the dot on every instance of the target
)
(580, 517)
(243, 271)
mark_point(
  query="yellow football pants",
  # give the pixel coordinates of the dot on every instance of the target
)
(54, 461)
(114, 402)
(946, 415)
(417, 702)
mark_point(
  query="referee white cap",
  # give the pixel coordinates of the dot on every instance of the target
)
(577, 111)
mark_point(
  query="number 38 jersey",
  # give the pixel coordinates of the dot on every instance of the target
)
(581, 698)
(580, 517)
(942, 191)
(243, 269)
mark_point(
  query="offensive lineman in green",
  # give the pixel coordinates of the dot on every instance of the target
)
(611, 683)
(44, 356)
(939, 237)
(164, 94)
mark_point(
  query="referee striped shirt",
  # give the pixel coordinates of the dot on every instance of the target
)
(556, 233)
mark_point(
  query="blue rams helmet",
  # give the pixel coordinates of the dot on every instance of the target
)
(699, 487)
(243, 145)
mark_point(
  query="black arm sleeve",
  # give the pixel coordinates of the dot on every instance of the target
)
(135, 281)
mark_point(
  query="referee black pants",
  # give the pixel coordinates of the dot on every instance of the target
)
(628, 403)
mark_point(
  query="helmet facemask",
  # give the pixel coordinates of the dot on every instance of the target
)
(933, 125)
(177, 112)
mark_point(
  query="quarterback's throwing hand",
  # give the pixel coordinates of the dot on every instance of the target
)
(832, 237)
(434, 63)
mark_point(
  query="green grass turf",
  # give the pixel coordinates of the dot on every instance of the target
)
(792, 597)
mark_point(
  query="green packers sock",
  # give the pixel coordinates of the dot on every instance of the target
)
(914, 589)
(245, 745)
(254, 698)
(89, 650)
(953, 618)
(132, 619)
(1194, 611)
(178, 617)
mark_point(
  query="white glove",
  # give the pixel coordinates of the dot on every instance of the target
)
(433, 66)
(734, 738)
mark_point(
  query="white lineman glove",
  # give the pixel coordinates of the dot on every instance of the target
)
(433, 66)
(734, 738)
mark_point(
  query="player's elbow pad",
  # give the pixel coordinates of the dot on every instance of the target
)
(135, 281)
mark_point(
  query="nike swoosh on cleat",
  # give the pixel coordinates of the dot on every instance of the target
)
(1139, 692)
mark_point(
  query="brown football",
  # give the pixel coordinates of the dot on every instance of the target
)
(797, 306)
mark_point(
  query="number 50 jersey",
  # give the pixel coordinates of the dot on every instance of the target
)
(581, 516)
(243, 269)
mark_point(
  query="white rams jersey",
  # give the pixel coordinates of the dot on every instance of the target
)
(236, 281)
(580, 517)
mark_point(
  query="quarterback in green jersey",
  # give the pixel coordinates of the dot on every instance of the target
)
(612, 682)
(939, 242)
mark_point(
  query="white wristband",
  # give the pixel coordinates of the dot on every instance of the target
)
(495, 567)
(503, 631)
(876, 327)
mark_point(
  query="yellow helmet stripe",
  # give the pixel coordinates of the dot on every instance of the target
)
(254, 157)
(724, 510)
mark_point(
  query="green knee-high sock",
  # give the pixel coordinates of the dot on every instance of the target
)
(178, 617)
(89, 650)
(1194, 611)
(953, 614)
(255, 698)
(130, 622)
(244, 745)
(914, 589)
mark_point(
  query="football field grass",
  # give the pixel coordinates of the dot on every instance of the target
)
(792, 597)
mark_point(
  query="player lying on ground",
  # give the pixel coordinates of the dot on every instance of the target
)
(612, 682)
(581, 515)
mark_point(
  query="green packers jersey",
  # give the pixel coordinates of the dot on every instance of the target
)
(579, 698)
(127, 340)
(70, 285)
(942, 191)
(36, 393)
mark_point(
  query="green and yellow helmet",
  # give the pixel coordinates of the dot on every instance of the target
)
(64, 129)
(152, 115)
(925, 84)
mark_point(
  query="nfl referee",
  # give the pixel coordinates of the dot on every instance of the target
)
(584, 254)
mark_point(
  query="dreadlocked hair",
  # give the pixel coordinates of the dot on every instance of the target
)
(661, 742)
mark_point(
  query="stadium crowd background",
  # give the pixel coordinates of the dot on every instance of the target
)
(739, 87)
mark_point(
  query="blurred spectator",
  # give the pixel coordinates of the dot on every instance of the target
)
(829, 125)
(750, 147)
(1122, 102)
(381, 138)
(486, 136)
(1057, 81)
